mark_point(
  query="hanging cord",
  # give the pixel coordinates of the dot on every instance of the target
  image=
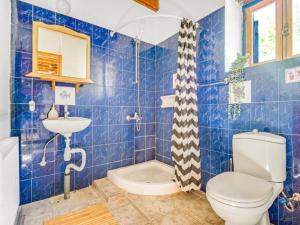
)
(43, 161)
(288, 202)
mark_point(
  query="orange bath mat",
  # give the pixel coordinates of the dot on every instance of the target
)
(93, 215)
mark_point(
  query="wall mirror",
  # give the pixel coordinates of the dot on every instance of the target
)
(60, 54)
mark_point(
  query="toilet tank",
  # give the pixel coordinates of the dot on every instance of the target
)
(260, 154)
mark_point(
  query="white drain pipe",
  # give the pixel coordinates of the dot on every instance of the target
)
(83, 161)
(74, 167)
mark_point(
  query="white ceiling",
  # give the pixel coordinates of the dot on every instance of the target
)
(111, 13)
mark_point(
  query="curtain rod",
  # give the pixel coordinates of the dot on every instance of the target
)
(119, 27)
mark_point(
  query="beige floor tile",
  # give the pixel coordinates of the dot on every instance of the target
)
(154, 207)
(129, 215)
(35, 220)
(176, 218)
(178, 209)
(107, 188)
(37, 209)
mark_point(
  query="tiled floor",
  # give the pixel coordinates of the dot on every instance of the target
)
(128, 209)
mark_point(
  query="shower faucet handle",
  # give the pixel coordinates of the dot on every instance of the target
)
(136, 117)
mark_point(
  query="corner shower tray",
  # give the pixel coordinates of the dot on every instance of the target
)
(148, 178)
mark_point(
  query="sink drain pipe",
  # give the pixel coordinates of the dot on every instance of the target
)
(67, 179)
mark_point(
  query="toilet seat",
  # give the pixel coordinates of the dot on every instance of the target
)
(239, 190)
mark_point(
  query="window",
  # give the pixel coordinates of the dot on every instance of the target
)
(294, 24)
(272, 30)
(263, 22)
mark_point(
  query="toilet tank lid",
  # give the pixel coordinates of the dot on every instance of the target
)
(263, 136)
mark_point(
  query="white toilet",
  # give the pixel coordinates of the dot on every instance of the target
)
(244, 196)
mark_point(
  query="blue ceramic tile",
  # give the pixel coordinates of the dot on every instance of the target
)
(23, 39)
(115, 133)
(168, 161)
(140, 143)
(100, 171)
(24, 11)
(140, 156)
(100, 155)
(114, 153)
(114, 165)
(42, 92)
(100, 135)
(150, 129)
(150, 141)
(219, 116)
(128, 151)
(40, 171)
(264, 80)
(84, 27)
(264, 117)
(205, 160)
(242, 122)
(204, 115)
(43, 15)
(100, 36)
(25, 192)
(99, 96)
(217, 21)
(219, 162)
(219, 140)
(100, 115)
(43, 187)
(21, 90)
(128, 63)
(25, 163)
(23, 64)
(205, 176)
(115, 115)
(159, 147)
(167, 149)
(127, 133)
(84, 138)
(59, 184)
(20, 116)
(127, 162)
(289, 120)
(122, 44)
(150, 154)
(83, 178)
(38, 115)
(288, 91)
(60, 164)
(66, 21)
(159, 158)
(84, 96)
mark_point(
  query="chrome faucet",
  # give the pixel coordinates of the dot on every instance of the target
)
(66, 112)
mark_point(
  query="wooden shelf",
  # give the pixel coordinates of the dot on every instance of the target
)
(61, 79)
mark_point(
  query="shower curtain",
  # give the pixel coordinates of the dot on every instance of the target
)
(185, 140)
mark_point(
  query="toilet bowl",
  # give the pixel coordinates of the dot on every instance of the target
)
(243, 197)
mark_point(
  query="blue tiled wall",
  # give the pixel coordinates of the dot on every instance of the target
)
(275, 108)
(110, 141)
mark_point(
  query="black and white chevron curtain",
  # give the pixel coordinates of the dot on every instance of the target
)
(185, 139)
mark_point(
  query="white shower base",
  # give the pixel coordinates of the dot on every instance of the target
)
(148, 178)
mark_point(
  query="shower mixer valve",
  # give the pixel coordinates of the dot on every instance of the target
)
(136, 117)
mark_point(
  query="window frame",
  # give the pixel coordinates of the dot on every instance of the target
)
(279, 24)
(288, 19)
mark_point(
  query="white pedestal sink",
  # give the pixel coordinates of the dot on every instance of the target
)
(65, 127)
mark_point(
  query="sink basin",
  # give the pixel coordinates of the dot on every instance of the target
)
(66, 126)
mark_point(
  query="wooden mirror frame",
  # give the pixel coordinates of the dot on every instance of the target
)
(59, 78)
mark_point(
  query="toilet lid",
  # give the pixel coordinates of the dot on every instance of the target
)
(239, 189)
